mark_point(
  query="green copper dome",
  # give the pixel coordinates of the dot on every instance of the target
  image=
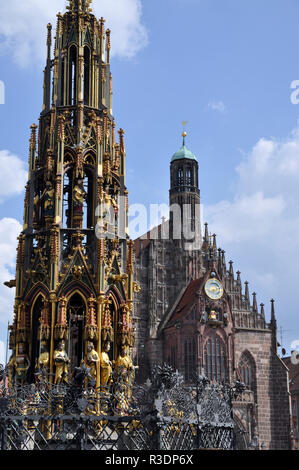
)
(183, 153)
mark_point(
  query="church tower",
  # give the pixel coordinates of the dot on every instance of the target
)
(185, 198)
(74, 273)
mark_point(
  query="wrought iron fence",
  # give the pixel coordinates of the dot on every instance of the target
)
(163, 414)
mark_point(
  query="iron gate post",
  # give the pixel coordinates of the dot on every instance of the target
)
(3, 435)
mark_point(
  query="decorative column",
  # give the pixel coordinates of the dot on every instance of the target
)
(61, 327)
(53, 301)
(59, 170)
(45, 329)
(91, 332)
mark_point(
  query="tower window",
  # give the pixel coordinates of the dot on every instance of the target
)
(180, 180)
(188, 177)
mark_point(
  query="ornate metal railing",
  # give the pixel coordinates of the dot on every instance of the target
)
(163, 414)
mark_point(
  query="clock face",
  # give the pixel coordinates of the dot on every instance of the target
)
(214, 289)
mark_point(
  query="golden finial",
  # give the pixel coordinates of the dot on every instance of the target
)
(184, 133)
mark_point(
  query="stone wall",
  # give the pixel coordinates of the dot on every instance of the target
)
(272, 396)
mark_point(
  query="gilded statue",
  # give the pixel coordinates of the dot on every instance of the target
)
(22, 364)
(48, 198)
(11, 369)
(79, 194)
(44, 358)
(92, 360)
(106, 365)
(61, 362)
(124, 367)
(36, 206)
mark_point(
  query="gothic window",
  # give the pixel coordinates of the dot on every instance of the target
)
(76, 310)
(215, 359)
(36, 340)
(86, 76)
(67, 199)
(89, 159)
(88, 206)
(68, 158)
(62, 83)
(190, 359)
(173, 357)
(247, 371)
(73, 75)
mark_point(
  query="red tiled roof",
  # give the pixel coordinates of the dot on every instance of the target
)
(186, 301)
(293, 374)
(143, 241)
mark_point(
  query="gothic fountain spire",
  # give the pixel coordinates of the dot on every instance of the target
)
(79, 5)
(73, 265)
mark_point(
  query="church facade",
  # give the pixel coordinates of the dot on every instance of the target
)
(194, 314)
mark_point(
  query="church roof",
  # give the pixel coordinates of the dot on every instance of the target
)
(293, 374)
(183, 153)
(186, 301)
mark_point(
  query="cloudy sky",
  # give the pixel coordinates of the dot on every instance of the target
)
(224, 66)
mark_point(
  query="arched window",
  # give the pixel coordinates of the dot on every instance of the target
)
(215, 359)
(36, 336)
(247, 371)
(88, 206)
(86, 76)
(76, 314)
(190, 359)
(188, 177)
(73, 75)
(172, 356)
(62, 83)
(67, 199)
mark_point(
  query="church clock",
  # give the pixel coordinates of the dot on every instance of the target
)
(214, 289)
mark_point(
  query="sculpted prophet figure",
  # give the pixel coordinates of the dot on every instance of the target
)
(79, 195)
(61, 362)
(124, 367)
(11, 369)
(106, 365)
(48, 197)
(22, 364)
(44, 356)
(92, 360)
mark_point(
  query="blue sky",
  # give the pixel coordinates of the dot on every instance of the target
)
(226, 67)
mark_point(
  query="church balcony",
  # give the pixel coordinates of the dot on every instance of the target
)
(184, 189)
(247, 397)
(249, 320)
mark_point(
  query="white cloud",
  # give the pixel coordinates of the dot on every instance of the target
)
(248, 217)
(9, 231)
(259, 227)
(23, 27)
(218, 106)
(13, 175)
